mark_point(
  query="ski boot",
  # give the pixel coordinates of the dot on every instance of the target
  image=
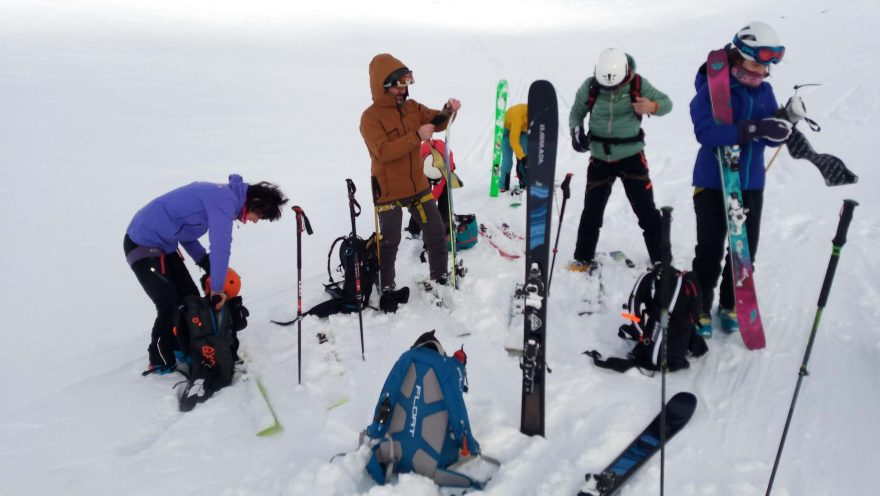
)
(704, 325)
(729, 322)
(578, 266)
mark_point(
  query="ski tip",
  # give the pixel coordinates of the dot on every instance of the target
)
(682, 404)
(270, 431)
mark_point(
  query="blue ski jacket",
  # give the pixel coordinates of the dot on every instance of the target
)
(748, 104)
(184, 215)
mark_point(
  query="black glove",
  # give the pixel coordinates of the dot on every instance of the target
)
(205, 263)
(387, 302)
(238, 313)
(579, 141)
(771, 129)
(401, 295)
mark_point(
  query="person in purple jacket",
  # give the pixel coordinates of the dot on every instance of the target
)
(754, 48)
(181, 217)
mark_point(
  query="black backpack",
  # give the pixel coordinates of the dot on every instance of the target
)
(344, 291)
(208, 337)
(642, 311)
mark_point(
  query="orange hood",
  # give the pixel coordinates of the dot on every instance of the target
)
(381, 67)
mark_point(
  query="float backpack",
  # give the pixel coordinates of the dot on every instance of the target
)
(642, 311)
(420, 423)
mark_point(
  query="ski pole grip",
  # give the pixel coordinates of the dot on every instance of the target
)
(566, 190)
(302, 220)
(846, 215)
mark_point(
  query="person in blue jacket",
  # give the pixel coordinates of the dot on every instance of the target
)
(754, 48)
(181, 217)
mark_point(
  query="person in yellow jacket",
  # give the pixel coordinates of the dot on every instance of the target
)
(515, 142)
(393, 128)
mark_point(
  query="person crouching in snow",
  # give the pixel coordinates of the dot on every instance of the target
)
(181, 217)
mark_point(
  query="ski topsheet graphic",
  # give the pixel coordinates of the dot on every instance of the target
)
(679, 410)
(543, 131)
(747, 312)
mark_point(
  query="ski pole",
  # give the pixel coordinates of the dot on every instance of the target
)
(566, 193)
(375, 184)
(839, 240)
(301, 221)
(454, 274)
(354, 210)
(665, 287)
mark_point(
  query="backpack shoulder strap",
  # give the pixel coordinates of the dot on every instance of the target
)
(594, 94)
(635, 90)
(635, 87)
(612, 363)
(330, 254)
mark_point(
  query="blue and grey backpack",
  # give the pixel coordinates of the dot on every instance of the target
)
(421, 423)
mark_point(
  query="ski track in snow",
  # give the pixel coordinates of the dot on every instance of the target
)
(121, 105)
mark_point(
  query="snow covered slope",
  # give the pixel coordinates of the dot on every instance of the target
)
(108, 104)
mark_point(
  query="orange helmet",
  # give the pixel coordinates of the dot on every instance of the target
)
(232, 285)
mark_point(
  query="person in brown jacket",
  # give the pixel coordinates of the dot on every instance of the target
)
(393, 128)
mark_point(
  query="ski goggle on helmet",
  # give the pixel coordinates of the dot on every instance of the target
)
(401, 78)
(759, 43)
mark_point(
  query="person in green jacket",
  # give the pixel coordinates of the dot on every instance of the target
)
(617, 98)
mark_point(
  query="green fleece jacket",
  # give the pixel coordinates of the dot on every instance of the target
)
(613, 115)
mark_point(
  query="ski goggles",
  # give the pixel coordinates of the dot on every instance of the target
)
(401, 78)
(762, 55)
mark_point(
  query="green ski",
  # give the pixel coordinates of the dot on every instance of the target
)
(500, 110)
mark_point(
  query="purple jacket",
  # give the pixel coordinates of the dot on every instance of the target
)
(748, 104)
(185, 214)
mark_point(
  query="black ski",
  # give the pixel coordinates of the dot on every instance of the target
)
(543, 131)
(679, 410)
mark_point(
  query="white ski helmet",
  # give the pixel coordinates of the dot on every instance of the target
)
(612, 68)
(431, 171)
(758, 42)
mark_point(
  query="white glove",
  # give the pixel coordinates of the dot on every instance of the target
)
(795, 109)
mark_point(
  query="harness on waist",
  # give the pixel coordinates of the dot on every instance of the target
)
(416, 202)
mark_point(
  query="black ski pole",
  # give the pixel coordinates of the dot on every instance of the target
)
(376, 190)
(839, 240)
(354, 210)
(566, 193)
(301, 222)
(664, 293)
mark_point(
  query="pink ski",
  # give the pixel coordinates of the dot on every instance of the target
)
(746, 299)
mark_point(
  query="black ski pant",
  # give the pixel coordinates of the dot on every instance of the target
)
(711, 237)
(433, 234)
(633, 173)
(167, 282)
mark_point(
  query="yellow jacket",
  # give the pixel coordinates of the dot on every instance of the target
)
(516, 120)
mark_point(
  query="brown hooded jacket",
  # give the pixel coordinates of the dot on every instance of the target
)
(390, 133)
